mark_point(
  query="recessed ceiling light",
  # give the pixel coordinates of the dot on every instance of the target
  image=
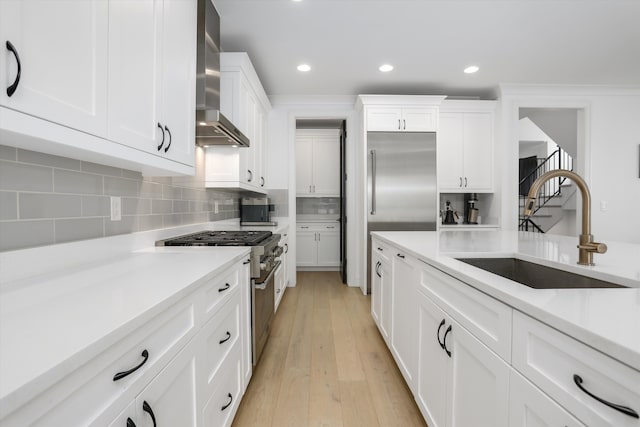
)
(386, 68)
(472, 69)
(304, 68)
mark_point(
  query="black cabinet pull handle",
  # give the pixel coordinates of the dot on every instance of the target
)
(381, 250)
(465, 181)
(121, 375)
(227, 338)
(168, 145)
(130, 423)
(162, 142)
(624, 409)
(286, 248)
(250, 178)
(400, 256)
(11, 89)
(147, 408)
(378, 269)
(228, 404)
(444, 341)
(438, 334)
(261, 181)
(246, 262)
(224, 288)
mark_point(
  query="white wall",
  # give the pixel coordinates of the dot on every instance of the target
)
(282, 173)
(607, 152)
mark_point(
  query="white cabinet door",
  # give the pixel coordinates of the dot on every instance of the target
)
(465, 151)
(450, 141)
(530, 407)
(135, 35)
(278, 287)
(328, 249)
(306, 248)
(404, 316)
(171, 397)
(419, 119)
(63, 54)
(326, 166)
(478, 382)
(126, 418)
(244, 279)
(384, 119)
(431, 394)
(304, 165)
(178, 79)
(376, 291)
(478, 151)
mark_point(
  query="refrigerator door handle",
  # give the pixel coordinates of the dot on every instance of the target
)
(373, 182)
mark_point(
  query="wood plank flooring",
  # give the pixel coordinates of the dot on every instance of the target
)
(325, 364)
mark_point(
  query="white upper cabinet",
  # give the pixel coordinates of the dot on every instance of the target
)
(244, 102)
(111, 82)
(406, 119)
(465, 146)
(59, 50)
(400, 113)
(318, 162)
(152, 50)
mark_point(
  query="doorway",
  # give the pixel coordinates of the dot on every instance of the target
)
(320, 165)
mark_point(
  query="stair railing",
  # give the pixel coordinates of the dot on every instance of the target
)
(559, 159)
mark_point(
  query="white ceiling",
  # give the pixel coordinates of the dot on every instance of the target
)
(430, 42)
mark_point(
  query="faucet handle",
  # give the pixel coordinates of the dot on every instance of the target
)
(594, 247)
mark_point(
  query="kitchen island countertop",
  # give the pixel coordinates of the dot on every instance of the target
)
(605, 319)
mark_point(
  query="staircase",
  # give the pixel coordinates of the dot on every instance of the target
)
(556, 197)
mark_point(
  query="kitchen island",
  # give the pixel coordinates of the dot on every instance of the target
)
(533, 346)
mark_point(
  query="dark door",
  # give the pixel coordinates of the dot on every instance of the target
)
(343, 201)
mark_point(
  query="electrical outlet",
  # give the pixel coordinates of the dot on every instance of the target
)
(116, 209)
(215, 206)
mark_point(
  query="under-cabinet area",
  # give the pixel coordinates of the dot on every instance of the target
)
(471, 359)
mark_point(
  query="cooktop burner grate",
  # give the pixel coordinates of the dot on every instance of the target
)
(220, 238)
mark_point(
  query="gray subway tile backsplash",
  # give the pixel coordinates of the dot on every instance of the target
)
(48, 205)
(47, 199)
(65, 181)
(25, 177)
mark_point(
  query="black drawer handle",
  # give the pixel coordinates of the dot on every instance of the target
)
(147, 408)
(11, 89)
(224, 288)
(381, 250)
(228, 337)
(121, 375)
(228, 404)
(130, 423)
(246, 262)
(444, 341)
(624, 409)
(286, 248)
(400, 256)
(161, 142)
(438, 334)
(168, 145)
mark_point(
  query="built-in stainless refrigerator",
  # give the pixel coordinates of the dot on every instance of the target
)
(401, 184)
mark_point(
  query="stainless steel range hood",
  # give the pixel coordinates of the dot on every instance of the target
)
(212, 127)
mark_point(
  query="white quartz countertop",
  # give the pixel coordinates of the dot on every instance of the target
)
(51, 321)
(605, 319)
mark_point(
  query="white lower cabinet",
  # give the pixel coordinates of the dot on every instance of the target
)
(404, 314)
(530, 407)
(318, 245)
(381, 289)
(460, 381)
(176, 368)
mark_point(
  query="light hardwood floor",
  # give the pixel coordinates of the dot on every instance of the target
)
(325, 364)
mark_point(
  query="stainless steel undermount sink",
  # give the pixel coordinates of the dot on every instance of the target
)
(535, 275)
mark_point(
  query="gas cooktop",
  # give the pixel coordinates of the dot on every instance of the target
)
(219, 238)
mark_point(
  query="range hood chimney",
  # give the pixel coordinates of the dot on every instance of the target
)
(212, 127)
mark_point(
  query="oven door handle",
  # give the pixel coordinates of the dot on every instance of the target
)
(263, 285)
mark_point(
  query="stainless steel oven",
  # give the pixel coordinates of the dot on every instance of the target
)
(264, 263)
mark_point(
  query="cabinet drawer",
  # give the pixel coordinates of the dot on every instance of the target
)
(382, 250)
(220, 336)
(224, 399)
(551, 359)
(217, 291)
(90, 396)
(486, 318)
